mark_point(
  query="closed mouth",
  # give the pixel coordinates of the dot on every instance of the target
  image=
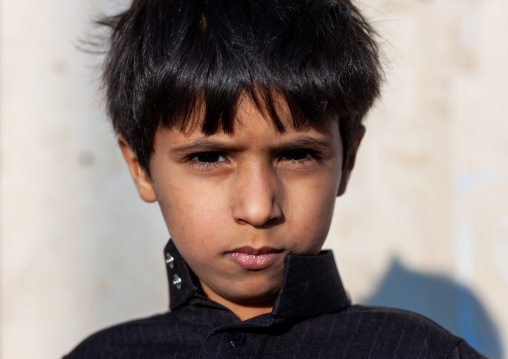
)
(254, 259)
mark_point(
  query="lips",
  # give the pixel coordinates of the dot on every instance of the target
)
(254, 259)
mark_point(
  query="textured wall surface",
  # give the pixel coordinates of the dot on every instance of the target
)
(423, 226)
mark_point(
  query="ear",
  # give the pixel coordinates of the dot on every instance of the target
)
(141, 179)
(349, 162)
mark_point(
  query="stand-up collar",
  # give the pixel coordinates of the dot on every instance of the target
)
(311, 285)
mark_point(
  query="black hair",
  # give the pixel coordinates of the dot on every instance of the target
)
(166, 57)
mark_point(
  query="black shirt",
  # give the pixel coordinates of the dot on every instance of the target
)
(312, 318)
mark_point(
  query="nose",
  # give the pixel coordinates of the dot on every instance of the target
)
(257, 196)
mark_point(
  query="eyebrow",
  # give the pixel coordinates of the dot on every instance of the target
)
(202, 145)
(304, 142)
(213, 145)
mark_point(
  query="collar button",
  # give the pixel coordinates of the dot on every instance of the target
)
(177, 282)
(236, 339)
(170, 261)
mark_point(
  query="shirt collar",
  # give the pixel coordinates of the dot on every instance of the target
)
(311, 285)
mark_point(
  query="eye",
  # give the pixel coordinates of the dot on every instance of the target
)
(206, 158)
(299, 154)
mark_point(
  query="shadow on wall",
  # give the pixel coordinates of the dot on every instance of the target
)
(449, 304)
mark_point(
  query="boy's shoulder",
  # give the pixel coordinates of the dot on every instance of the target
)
(388, 332)
(158, 336)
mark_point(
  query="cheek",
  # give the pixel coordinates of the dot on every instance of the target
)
(193, 215)
(312, 213)
(191, 226)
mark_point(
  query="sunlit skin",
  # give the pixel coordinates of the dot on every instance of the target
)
(236, 204)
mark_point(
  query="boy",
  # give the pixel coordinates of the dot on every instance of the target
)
(242, 120)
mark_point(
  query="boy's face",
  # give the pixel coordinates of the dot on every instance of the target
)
(237, 204)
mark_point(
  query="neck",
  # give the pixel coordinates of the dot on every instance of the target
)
(243, 311)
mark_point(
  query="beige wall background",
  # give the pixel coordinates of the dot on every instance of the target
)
(424, 225)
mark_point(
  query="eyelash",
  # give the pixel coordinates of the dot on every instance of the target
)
(302, 155)
(193, 161)
(308, 155)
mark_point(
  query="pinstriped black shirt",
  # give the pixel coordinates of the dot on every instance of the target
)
(312, 318)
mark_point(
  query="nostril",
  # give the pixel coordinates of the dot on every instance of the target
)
(273, 221)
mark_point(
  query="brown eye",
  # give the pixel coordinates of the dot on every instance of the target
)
(208, 157)
(296, 155)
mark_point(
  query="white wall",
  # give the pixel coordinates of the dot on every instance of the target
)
(424, 224)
